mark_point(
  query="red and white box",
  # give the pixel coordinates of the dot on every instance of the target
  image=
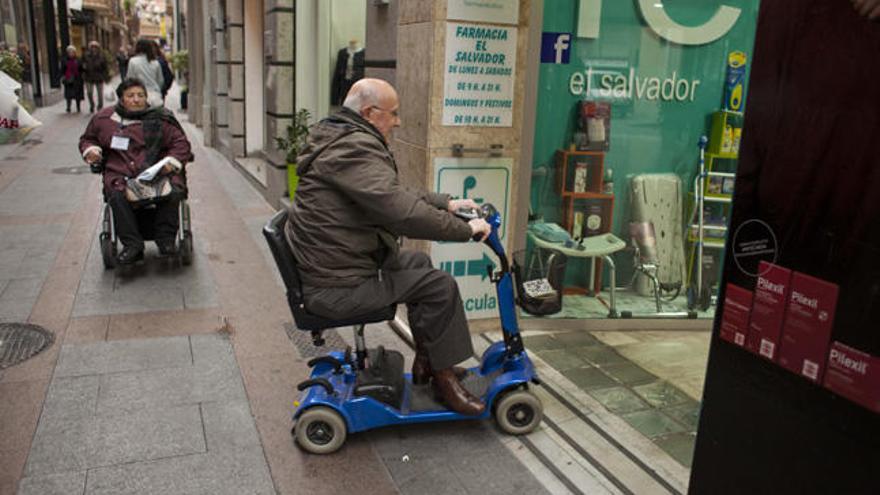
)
(768, 310)
(854, 374)
(806, 332)
(735, 319)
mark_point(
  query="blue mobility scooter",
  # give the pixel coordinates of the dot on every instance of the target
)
(350, 393)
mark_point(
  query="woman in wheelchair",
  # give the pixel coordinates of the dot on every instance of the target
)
(121, 142)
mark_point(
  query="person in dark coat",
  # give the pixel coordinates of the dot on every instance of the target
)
(350, 207)
(122, 62)
(71, 77)
(95, 73)
(121, 142)
(167, 73)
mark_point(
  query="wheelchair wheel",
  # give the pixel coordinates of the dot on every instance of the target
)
(519, 412)
(320, 430)
(186, 248)
(108, 251)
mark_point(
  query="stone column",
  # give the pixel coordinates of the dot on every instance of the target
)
(235, 65)
(279, 47)
(421, 56)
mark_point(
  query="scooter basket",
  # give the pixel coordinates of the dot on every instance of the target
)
(538, 275)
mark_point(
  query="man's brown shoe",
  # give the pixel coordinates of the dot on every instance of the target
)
(455, 396)
(421, 369)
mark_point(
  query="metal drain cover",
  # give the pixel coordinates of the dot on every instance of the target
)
(21, 341)
(71, 170)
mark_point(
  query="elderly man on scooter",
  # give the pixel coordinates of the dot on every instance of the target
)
(350, 208)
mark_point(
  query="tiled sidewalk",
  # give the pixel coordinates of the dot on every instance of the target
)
(652, 406)
(159, 415)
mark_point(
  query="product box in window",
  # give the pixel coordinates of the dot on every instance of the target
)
(854, 374)
(768, 309)
(735, 317)
(595, 122)
(806, 332)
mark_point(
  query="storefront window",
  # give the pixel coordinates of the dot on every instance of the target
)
(626, 90)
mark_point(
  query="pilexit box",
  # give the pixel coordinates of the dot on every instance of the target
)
(806, 332)
(854, 374)
(768, 310)
(735, 320)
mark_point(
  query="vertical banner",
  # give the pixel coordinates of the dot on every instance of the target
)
(479, 75)
(485, 180)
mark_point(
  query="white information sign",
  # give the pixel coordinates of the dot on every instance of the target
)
(485, 180)
(479, 75)
(497, 11)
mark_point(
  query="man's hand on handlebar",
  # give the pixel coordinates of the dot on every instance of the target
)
(480, 229)
(457, 204)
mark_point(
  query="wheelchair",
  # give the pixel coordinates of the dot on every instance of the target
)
(145, 219)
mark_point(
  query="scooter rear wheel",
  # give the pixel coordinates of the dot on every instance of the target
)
(519, 412)
(320, 430)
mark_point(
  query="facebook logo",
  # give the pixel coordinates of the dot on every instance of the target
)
(555, 48)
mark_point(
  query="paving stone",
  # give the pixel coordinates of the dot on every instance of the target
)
(16, 310)
(680, 446)
(542, 342)
(63, 444)
(436, 479)
(652, 423)
(71, 398)
(172, 386)
(628, 373)
(495, 473)
(92, 303)
(200, 296)
(687, 414)
(598, 354)
(662, 394)
(73, 482)
(561, 360)
(21, 288)
(619, 400)
(590, 378)
(229, 471)
(146, 299)
(212, 350)
(229, 425)
(576, 339)
(129, 355)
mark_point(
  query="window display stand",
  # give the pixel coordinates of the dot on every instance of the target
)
(710, 187)
(586, 211)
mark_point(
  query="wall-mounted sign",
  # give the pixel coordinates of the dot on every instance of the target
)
(479, 75)
(655, 16)
(494, 11)
(555, 48)
(485, 180)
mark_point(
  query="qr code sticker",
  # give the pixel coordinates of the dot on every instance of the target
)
(739, 339)
(810, 369)
(539, 288)
(767, 348)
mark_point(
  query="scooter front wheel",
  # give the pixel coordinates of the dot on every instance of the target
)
(320, 430)
(519, 412)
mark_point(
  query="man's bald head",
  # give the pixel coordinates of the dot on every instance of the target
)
(376, 101)
(368, 92)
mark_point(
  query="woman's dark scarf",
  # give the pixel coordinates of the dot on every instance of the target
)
(152, 119)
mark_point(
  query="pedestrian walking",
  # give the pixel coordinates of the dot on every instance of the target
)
(71, 77)
(145, 68)
(167, 74)
(95, 72)
(122, 61)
